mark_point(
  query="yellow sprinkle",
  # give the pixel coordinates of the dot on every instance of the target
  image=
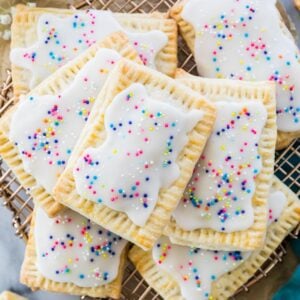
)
(223, 147)
(285, 87)
(242, 62)
(115, 151)
(103, 71)
(145, 46)
(88, 237)
(207, 216)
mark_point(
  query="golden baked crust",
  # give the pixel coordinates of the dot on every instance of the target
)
(186, 30)
(125, 74)
(31, 277)
(285, 138)
(24, 35)
(188, 33)
(54, 84)
(7, 295)
(229, 283)
(253, 237)
(297, 4)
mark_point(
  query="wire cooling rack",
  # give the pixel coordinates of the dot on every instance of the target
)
(16, 198)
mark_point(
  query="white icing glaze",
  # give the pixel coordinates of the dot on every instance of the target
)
(195, 269)
(148, 45)
(138, 157)
(46, 128)
(70, 248)
(219, 194)
(239, 40)
(61, 39)
(277, 201)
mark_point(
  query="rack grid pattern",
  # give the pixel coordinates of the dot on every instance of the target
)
(19, 201)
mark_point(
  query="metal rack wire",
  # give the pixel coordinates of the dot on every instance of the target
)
(20, 203)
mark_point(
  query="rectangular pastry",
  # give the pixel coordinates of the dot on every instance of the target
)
(44, 39)
(143, 139)
(7, 295)
(224, 204)
(181, 272)
(236, 40)
(37, 135)
(70, 254)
